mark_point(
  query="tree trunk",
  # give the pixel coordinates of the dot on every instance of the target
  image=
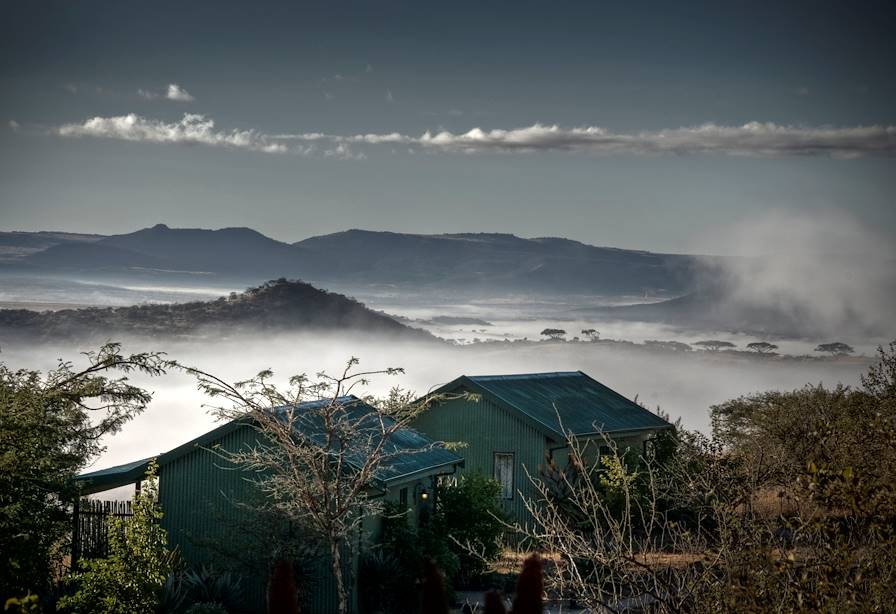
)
(336, 562)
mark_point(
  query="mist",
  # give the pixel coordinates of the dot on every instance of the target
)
(828, 274)
(685, 385)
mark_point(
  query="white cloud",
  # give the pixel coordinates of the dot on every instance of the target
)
(192, 129)
(752, 139)
(389, 96)
(174, 92)
(13, 125)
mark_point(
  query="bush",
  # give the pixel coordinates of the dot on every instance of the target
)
(133, 576)
(469, 515)
(191, 587)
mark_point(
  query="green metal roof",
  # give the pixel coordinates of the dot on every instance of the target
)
(408, 452)
(584, 405)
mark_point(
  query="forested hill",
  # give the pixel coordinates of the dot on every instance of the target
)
(274, 306)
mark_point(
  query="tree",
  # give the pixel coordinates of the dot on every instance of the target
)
(837, 348)
(762, 347)
(592, 334)
(715, 345)
(51, 427)
(554, 334)
(316, 466)
(675, 346)
(132, 577)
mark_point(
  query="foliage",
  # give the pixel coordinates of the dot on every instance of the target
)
(133, 576)
(554, 334)
(470, 513)
(591, 333)
(28, 604)
(837, 348)
(186, 588)
(697, 531)
(316, 464)
(762, 347)
(715, 344)
(407, 542)
(51, 427)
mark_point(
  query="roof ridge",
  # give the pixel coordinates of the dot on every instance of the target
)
(542, 375)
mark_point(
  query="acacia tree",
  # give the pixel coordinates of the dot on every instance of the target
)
(51, 427)
(715, 345)
(554, 334)
(838, 348)
(762, 347)
(591, 333)
(316, 464)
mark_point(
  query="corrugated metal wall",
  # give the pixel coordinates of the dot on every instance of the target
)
(488, 429)
(201, 495)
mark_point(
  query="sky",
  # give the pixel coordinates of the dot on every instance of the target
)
(641, 125)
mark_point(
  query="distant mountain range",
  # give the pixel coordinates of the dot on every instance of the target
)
(479, 263)
(279, 306)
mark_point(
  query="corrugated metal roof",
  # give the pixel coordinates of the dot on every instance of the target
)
(584, 405)
(408, 452)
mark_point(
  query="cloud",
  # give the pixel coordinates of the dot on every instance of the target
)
(13, 125)
(192, 129)
(389, 96)
(752, 139)
(174, 92)
(828, 274)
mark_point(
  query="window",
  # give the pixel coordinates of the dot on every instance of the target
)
(403, 497)
(504, 473)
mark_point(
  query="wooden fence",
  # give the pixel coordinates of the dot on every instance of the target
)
(90, 535)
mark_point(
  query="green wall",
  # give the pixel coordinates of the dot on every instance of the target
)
(486, 428)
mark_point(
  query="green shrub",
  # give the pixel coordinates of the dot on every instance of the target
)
(132, 577)
(470, 513)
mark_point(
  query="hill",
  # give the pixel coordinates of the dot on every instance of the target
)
(480, 263)
(281, 305)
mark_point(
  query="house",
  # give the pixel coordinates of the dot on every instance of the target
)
(208, 504)
(510, 423)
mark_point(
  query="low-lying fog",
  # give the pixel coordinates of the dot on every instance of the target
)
(684, 385)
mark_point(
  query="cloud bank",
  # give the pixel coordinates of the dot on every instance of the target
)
(191, 129)
(754, 139)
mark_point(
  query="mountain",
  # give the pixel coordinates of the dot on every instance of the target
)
(287, 306)
(476, 263)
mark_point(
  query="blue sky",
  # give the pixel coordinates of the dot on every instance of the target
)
(642, 125)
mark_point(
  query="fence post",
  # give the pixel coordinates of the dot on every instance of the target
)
(76, 533)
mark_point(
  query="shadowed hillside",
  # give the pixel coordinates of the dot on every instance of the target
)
(480, 263)
(274, 306)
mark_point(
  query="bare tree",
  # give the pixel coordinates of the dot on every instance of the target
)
(319, 450)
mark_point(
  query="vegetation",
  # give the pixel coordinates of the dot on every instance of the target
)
(838, 348)
(762, 347)
(715, 345)
(276, 305)
(133, 576)
(554, 334)
(788, 507)
(50, 428)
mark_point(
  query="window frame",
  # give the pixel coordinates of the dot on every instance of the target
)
(512, 456)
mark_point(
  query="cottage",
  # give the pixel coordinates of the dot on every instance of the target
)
(206, 501)
(510, 423)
